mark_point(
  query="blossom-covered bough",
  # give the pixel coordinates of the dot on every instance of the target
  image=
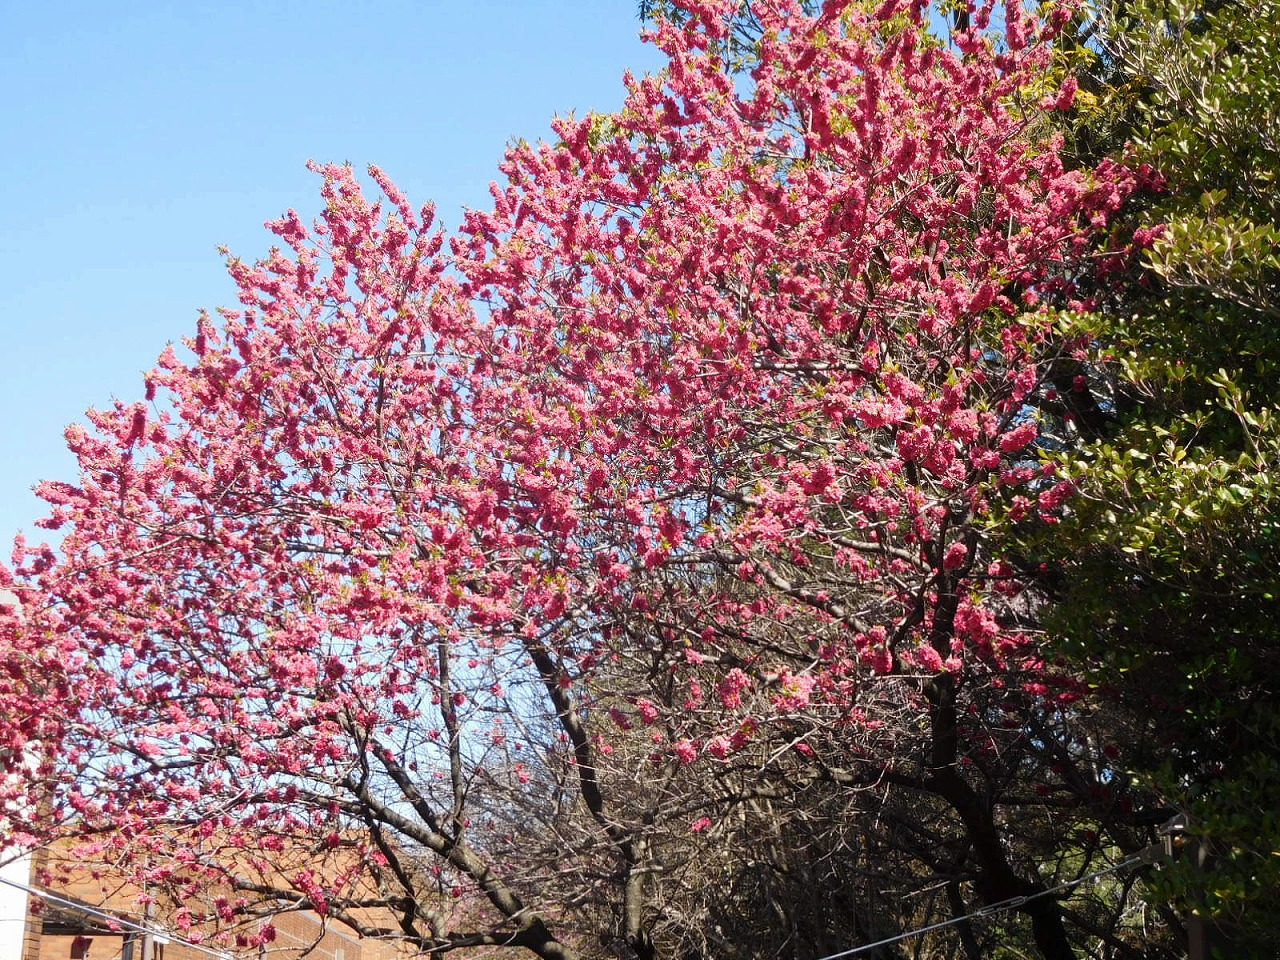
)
(516, 575)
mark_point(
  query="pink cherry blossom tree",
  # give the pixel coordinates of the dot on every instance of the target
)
(449, 584)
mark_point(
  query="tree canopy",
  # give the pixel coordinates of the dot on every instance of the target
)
(1165, 589)
(667, 562)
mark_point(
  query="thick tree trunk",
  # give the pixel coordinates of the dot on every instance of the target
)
(997, 880)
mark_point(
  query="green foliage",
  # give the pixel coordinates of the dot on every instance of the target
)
(1164, 572)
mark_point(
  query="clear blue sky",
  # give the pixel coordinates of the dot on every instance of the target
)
(139, 136)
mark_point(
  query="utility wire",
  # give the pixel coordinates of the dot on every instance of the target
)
(1013, 903)
(116, 921)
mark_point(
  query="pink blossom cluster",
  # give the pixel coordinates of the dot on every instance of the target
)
(701, 425)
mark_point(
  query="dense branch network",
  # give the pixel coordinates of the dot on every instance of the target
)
(501, 573)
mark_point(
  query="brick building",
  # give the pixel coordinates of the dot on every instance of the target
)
(76, 923)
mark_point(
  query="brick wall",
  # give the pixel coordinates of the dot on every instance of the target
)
(51, 938)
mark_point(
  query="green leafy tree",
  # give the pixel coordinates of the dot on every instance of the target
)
(1163, 572)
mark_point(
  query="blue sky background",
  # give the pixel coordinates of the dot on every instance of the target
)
(140, 136)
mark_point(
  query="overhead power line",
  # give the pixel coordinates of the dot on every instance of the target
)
(1002, 906)
(1013, 903)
